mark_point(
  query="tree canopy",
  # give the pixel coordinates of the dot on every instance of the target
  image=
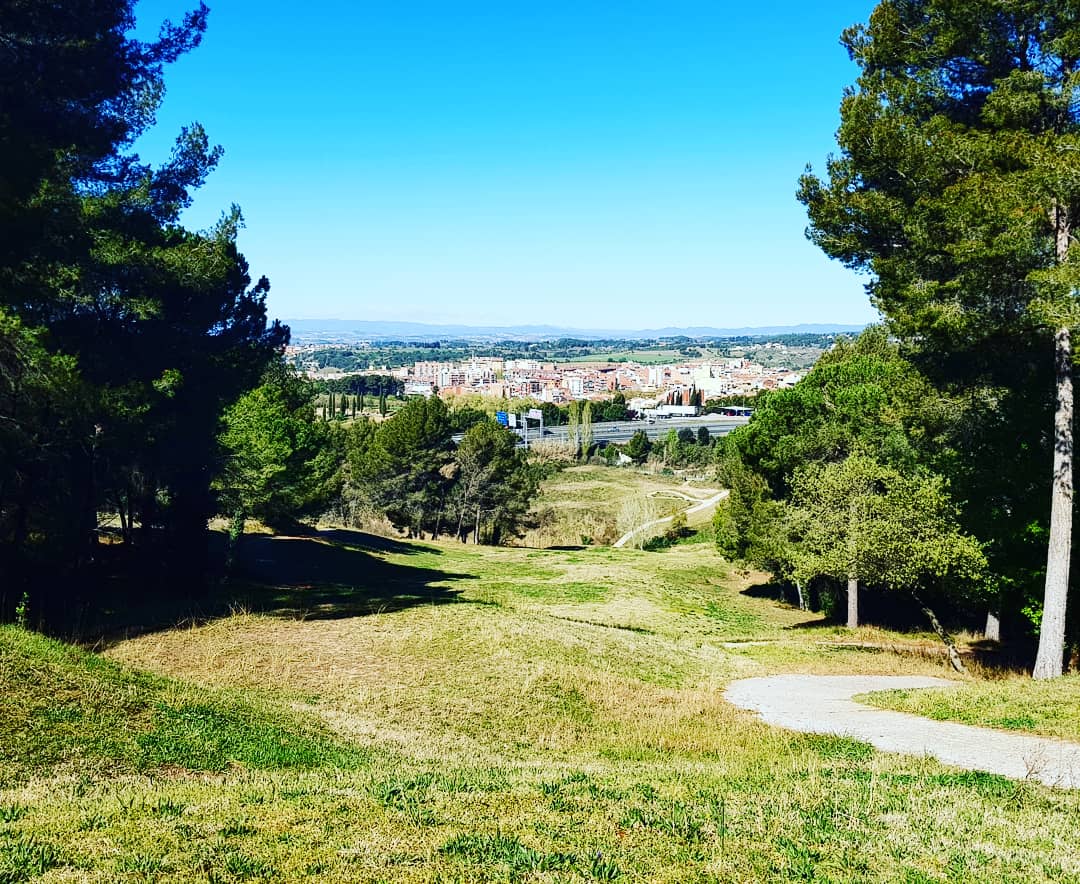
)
(957, 187)
(103, 292)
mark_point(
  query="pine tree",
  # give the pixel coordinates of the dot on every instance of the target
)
(958, 189)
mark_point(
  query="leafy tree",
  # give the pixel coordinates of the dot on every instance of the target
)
(957, 188)
(281, 464)
(586, 429)
(638, 447)
(41, 419)
(861, 395)
(745, 520)
(614, 409)
(553, 415)
(461, 419)
(862, 521)
(573, 426)
(164, 324)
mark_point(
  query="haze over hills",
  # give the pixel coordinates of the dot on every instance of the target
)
(309, 331)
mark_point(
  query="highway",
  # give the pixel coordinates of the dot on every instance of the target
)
(621, 431)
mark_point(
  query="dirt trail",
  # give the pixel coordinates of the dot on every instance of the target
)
(697, 507)
(822, 704)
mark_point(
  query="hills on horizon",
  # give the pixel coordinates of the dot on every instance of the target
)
(355, 330)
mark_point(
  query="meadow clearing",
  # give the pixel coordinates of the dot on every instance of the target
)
(391, 711)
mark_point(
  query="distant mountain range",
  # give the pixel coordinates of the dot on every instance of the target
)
(312, 331)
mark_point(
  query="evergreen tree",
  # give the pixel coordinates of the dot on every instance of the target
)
(958, 188)
(164, 324)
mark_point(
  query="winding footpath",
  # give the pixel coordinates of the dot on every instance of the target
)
(698, 506)
(822, 704)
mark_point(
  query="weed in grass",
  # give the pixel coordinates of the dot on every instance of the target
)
(488, 850)
(603, 869)
(237, 828)
(167, 808)
(240, 865)
(140, 864)
(205, 737)
(93, 821)
(410, 797)
(833, 747)
(10, 813)
(25, 857)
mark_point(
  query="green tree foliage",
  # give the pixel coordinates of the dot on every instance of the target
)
(41, 417)
(462, 419)
(860, 395)
(573, 426)
(745, 521)
(405, 468)
(494, 484)
(586, 429)
(163, 324)
(553, 415)
(862, 398)
(958, 188)
(638, 447)
(862, 521)
(613, 409)
(280, 463)
(361, 384)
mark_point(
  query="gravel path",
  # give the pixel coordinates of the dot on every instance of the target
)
(822, 704)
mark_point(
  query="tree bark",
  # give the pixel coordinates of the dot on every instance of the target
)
(799, 595)
(954, 655)
(853, 602)
(993, 626)
(1049, 660)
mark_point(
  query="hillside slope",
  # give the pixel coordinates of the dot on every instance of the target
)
(488, 715)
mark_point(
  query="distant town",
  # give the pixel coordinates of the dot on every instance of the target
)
(676, 376)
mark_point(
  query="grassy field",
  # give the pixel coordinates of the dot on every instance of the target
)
(602, 503)
(387, 711)
(1014, 703)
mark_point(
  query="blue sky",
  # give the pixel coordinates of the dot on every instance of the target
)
(615, 164)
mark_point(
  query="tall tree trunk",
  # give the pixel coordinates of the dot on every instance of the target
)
(1048, 662)
(853, 602)
(476, 535)
(954, 655)
(800, 596)
(993, 626)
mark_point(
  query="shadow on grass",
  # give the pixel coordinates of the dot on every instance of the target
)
(327, 575)
(768, 590)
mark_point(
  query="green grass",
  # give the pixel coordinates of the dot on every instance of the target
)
(1051, 707)
(534, 715)
(597, 504)
(67, 707)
